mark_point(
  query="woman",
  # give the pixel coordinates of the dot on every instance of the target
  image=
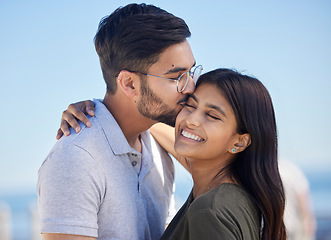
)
(226, 137)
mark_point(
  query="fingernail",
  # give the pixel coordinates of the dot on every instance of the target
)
(66, 133)
(88, 124)
(90, 111)
(77, 129)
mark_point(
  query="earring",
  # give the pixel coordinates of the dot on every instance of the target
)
(233, 150)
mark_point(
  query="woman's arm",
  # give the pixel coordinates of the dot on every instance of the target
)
(165, 136)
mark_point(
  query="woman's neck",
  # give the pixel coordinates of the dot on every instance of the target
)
(208, 176)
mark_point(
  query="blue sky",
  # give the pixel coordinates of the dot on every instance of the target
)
(48, 60)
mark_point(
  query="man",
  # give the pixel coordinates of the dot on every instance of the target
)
(112, 181)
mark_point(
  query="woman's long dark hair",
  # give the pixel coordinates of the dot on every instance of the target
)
(256, 168)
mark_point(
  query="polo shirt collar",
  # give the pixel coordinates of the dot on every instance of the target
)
(112, 130)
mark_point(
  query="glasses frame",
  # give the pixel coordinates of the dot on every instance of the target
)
(191, 73)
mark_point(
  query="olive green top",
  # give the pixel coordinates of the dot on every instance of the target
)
(225, 212)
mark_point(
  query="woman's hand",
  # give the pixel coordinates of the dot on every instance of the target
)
(75, 112)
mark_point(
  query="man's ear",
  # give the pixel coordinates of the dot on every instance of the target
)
(242, 142)
(126, 82)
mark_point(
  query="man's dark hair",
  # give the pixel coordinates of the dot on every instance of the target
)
(133, 37)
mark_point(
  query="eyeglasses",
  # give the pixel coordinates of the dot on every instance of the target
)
(182, 80)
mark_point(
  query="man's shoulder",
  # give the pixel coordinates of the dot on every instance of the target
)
(82, 148)
(84, 139)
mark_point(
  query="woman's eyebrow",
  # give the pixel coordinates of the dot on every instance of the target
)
(194, 97)
(217, 108)
(209, 105)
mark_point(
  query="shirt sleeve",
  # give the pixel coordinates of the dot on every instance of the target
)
(70, 192)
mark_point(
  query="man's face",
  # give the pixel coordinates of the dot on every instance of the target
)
(159, 99)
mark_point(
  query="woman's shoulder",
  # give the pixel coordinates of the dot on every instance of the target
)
(226, 197)
(230, 192)
(229, 210)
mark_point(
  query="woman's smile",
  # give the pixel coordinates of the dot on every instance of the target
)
(191, 136)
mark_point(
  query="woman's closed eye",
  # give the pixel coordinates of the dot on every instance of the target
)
(189, 106)
(192, 107)
(212, 116)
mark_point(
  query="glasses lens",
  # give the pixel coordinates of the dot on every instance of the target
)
(196, 73)
(182, 81)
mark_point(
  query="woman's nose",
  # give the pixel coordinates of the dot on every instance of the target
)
(193, 119)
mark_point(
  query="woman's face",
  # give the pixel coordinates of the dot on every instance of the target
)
(206, 126)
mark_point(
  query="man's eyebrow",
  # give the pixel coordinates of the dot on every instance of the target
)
(178, 69)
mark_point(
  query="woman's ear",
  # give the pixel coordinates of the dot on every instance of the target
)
(126, 82)
(243, 141)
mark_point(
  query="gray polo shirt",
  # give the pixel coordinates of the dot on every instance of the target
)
(94, 184)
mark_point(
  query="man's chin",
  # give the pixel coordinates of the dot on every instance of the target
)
(172, 124)
(169, 121)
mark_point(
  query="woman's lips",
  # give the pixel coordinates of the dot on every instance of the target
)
(191, 136)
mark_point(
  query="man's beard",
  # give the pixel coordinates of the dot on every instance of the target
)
(151, 106)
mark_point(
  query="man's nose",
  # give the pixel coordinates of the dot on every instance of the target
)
(190, 87)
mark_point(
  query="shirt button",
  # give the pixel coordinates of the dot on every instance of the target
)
(134, 163)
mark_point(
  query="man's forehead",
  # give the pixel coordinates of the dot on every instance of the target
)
(176, 58)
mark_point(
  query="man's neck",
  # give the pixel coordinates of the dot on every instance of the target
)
(131, 122)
